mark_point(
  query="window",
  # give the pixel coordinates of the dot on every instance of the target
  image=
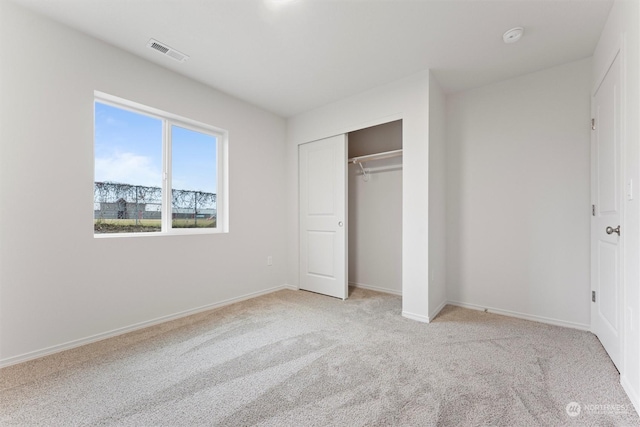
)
(155, 172)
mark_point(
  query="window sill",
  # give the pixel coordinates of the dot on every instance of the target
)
(159, 234)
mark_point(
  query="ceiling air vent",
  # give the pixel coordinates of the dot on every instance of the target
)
(166, 50)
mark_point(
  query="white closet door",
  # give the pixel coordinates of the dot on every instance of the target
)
(323, 214)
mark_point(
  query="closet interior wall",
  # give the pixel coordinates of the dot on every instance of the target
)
(375, 210)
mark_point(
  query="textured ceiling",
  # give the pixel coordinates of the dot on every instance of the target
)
(290, 58)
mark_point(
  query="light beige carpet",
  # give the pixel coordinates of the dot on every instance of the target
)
(294, 358)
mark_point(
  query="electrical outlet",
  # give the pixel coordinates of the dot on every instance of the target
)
(269, 260)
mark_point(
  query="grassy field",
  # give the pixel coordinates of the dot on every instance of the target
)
(146, 225)
(189, 223)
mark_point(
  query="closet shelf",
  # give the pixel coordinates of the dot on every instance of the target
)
(377, 156)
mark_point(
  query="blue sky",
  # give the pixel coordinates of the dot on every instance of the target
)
(128, 149)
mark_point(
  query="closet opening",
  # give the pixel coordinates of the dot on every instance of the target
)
(375, 208)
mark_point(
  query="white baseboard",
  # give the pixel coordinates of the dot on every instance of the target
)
(437, 310)
(285, 286)
(633, 395)
(424, 319)
(115, 332)
(417, 317)
(375, 288)
(541, 319)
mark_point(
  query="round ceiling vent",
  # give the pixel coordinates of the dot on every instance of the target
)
(513, 35)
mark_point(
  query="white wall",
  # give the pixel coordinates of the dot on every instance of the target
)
(57, 283)
(622, 30)
(437, 198)
(408, 100)
(375, 211)
(518, 205)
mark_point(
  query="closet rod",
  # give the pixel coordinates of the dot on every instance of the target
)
(377, 156)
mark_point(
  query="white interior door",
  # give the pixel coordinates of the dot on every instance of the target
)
(606, 233)
(323, 215)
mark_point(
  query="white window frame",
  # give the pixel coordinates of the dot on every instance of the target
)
(222, 158)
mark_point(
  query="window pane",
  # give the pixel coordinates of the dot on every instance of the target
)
(127, 194)
(194, 179)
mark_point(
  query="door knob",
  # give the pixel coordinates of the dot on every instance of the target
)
(611, 230)
(340, 223)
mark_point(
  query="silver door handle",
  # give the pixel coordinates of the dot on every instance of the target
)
(611, 230)
(340, 223)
